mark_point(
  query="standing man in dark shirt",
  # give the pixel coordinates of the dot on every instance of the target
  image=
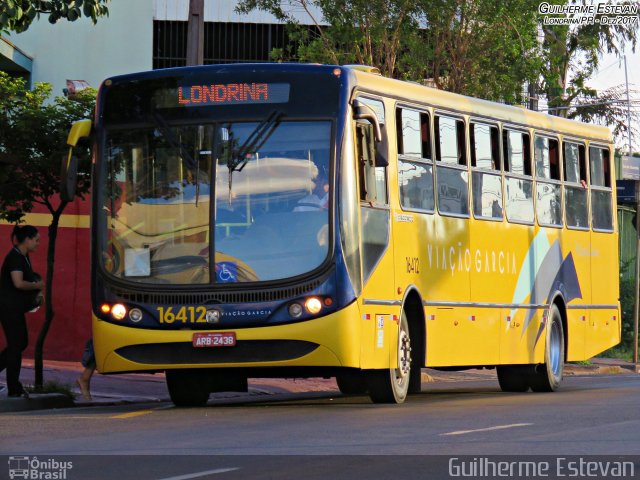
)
(17, 285)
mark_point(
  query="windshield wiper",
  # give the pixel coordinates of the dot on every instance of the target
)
(254, 141)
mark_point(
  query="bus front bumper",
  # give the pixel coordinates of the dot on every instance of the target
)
(330, 341)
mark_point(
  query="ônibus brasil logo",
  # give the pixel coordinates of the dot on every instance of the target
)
(36, 469)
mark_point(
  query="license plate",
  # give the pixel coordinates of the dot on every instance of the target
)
(217, 339)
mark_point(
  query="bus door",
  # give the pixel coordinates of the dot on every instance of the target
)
(604, 324)
(380, 315)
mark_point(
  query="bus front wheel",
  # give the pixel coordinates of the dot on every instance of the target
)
(187, 388)
(392, 385)
(547, 377)
(352, 382)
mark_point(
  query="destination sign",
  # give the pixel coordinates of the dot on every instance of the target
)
(232, 94)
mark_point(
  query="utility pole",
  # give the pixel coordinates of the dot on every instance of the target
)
(195, 33)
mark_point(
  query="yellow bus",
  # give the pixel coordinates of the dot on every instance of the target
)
(280, 220)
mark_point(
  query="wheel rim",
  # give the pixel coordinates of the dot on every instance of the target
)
(555, 349)
(404, 356)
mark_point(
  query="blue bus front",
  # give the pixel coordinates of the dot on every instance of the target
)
(216, 245)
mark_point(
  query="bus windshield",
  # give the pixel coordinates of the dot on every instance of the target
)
(215, 203)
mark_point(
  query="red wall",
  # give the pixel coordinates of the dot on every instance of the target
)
(71, 325)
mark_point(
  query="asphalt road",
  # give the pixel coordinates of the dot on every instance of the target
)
(596, 415)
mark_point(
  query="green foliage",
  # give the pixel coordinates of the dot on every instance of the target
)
(620, 352)
(624, 350)
(571, 54)
(627, 304)
(483, 48)
(32, 144)
(17, 15)
(583, 362)
(53, 386)
(368, 32)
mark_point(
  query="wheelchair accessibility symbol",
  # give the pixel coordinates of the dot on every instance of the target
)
(226, 272)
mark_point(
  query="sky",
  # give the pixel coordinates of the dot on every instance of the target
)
(611, 74)
(611, 71)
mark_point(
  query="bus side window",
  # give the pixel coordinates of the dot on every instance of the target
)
(547, 158)
(415, 169)
(518, 180)
(450, 142)
(575, 187)
(487, 181)
(548, 186)
(601, 196)
(452, 175)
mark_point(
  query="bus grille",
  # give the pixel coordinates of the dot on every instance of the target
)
(245, 351)
(206, 298)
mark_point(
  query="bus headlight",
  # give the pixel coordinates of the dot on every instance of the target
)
(313, 305)
(295, 310)
(118, 311)
(135, 315)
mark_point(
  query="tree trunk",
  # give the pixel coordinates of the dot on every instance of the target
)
(51, 252)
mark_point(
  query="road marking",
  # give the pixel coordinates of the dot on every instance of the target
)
(201, 474)
(132, 414)
(499, 427)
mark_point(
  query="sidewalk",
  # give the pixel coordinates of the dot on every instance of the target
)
(148, 388)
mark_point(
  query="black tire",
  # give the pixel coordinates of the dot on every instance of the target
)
(415, 376)
(392, 385)
(352, 382)
(415, 379)
(187, 388)
(512, 378)
(547, 377)
(226, 381)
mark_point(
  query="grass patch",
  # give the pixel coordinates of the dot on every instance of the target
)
(53, 386)
(620, 351)
(582, 362)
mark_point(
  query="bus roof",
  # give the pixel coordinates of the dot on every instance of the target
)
(406, 91)
(416, 93)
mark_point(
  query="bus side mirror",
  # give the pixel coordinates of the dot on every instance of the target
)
(365, 112)
(361, 111)
(69, 171)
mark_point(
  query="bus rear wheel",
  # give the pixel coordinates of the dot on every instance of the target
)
(512, 378)
(392, 385)
(547, 377)
(187, 388)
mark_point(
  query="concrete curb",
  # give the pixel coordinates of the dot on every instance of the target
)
(584, 370)
(36, 401)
